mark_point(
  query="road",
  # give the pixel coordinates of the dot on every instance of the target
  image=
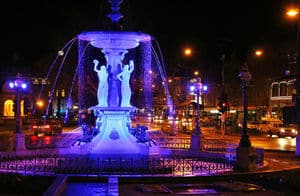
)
(261, 141)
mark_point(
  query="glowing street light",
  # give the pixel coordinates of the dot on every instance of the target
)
(292, 12)
(188, 52)
(197, 87)
(40, 103)
(19, 85)
(259, 53)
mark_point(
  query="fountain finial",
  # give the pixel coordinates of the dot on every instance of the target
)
(115, 15)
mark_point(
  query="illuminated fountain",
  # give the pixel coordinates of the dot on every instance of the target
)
(106, 63)
(111, 105)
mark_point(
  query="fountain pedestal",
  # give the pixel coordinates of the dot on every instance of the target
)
(114, 138)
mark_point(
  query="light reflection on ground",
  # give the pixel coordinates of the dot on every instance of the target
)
(284, 142)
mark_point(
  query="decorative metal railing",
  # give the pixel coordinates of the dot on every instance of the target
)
(168, 166)
(184, 143)
(216, 157)
(228, 150)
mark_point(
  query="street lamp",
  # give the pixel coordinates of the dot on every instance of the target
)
(259, 52)
(188, 60)
(19, 85)
(245, 154)
(197, 88)
(188, 51)
(294, 13)
(245, 77)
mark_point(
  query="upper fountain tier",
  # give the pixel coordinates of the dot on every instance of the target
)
(114, 39)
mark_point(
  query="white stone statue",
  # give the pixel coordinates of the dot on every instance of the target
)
(102, 92)
(124, 77)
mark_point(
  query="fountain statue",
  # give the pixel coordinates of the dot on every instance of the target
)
(124, 77)
(102, 91)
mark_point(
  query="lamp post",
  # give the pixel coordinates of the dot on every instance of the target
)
(245, 77)
(19, 85)
(245, 154)
(294, 13)
(197, 88)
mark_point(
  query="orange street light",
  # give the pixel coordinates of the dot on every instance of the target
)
(187, 52)
(292, 12)
(196, 73)
(259, 52)
(40, 103)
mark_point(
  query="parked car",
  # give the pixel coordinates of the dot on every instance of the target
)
(47, 127)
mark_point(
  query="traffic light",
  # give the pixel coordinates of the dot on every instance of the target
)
(223, 103)
(223, 106)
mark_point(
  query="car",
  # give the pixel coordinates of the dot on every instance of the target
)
(251, 125)
(264, 126)
(267, 124)
(47, 127)
(279, 129)
(282, 130)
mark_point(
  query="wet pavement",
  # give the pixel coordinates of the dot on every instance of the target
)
(279, 176)
(216, 188)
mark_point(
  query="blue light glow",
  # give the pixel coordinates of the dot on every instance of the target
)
(24, 85)
(192, 88)
(11, 85)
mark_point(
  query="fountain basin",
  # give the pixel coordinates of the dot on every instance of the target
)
(114, 137)
(114, 39)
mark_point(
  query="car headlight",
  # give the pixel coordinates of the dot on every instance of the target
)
(293, 131)
(282, 130)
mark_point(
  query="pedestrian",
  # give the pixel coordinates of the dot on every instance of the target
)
(223, 119)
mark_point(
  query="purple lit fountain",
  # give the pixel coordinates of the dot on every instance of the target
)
(113, 107)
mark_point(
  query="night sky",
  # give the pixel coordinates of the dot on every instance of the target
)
(33, 31)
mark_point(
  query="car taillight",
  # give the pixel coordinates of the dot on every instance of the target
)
(47, 126)
(34, 127)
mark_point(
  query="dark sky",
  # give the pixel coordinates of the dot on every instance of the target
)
(33, 31)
